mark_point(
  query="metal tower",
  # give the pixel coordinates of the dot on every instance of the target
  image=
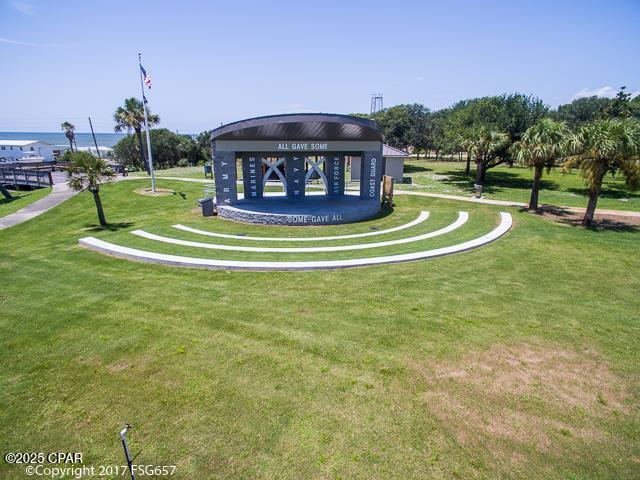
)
(376, 102)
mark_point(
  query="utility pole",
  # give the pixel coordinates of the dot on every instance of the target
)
(94, 138)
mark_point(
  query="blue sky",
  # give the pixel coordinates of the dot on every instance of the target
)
(214, 62)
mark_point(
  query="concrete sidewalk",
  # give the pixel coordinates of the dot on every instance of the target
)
(506, 203)
(59, 193)
(461, 198)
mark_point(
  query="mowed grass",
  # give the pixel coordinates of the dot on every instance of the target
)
(185, 172)
(515, 360)
(504, 183)
(21, 198)
(480, 222)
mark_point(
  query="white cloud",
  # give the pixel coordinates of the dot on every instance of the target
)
(607, 91)
(38, 45)
(419, 79)
(22, 7)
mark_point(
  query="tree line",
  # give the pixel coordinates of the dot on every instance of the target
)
(169, 149)
(598, 135)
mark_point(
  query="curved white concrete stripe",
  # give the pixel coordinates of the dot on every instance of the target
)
(421, 218)
(462, 219)
(176, 260)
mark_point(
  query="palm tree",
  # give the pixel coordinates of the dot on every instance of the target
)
(87, 172)
(485, 146)
(601, 147)
(204, 143)
(69, 130)
(540, 147)
(131, 117)
(462, 142)
(5, 192)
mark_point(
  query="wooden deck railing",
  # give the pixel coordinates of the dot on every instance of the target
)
(29, 178)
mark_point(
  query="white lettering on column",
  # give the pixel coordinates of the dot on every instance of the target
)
(372, 177)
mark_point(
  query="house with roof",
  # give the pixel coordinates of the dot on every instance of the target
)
(12, 151)
(392, 163)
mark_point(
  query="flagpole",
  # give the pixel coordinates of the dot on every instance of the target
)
(146, 127)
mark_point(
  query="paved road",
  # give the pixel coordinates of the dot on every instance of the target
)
(59, 177)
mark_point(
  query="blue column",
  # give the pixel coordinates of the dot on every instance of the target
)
(294, 175)
(224, 171)
(334, 172)
(252, 176)
(370, 174)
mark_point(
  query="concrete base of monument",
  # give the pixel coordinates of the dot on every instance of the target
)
(309, 210)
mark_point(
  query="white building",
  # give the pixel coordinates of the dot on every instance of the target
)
(26, 151)
(393, 163)
(105, 152)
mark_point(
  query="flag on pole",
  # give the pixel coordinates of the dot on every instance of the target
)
(147, 77)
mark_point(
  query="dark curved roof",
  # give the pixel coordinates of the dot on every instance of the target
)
(300, 126)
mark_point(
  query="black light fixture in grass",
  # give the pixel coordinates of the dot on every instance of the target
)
(123, 438)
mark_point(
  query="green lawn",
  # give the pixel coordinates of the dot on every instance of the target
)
(514, 360)
(504, 183)
(481, 221)
(21, 198)
(186, 172)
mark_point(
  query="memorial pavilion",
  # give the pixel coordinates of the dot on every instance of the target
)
(293, 150)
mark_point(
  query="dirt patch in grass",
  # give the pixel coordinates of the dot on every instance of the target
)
(160, 192)
(523, 398)
(117, 367)
(602, 221)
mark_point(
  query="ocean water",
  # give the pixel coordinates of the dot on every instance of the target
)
(58, 138)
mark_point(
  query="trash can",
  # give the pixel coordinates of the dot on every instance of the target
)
(208, 170)
(478, 190)
(207, 207)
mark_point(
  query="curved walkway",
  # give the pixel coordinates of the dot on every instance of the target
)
(177, 260)
(462, 219)
(508, 203)
(59, 193)
(421, 218)
(462, 198)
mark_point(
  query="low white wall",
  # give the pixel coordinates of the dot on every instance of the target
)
(394, 167)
